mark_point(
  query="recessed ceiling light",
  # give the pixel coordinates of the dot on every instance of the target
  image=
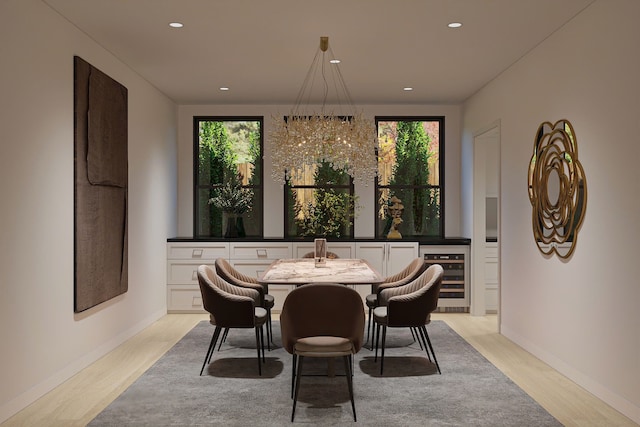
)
(224, 88)
(176, 24)
(407, 89)
(454, 25)
(335, 61)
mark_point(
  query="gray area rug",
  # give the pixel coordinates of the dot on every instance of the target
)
(470, 391)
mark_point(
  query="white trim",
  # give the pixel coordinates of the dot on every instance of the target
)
(23, 400)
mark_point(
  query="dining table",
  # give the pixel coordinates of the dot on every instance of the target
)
(302, 271)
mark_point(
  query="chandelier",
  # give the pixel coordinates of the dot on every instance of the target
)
(312, 135)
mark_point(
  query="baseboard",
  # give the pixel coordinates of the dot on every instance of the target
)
(25, 399)
(452, 310)
(616, 401)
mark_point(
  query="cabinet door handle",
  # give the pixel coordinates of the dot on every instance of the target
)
(194, 275)
(262, 253)
(197, 253)
(197, 302)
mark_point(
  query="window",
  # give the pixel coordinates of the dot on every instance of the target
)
(409, 187)
(320, 203)
(228, 189)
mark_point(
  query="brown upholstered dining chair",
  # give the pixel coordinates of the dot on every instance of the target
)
(410, 272)
(235, 277)
(322, 320)
(230, 306)
(409, 306)
(330, 255)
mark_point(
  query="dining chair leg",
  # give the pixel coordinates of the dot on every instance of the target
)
(416, 337)
(423, 342)
(384, 338)
(297, 387)
(376, 337)
(224, 338)
(259, 344)
(349, 375)
(271, 332)
(268, 327)
(212, 346)
(293, 374)
(369, 321)
(218, 337)
(264, 360)
(426, 334)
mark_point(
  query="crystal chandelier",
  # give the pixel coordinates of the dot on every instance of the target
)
(308, 137)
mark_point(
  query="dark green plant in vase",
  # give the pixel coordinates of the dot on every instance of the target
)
(234, 200)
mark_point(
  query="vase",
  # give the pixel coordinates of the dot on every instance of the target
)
(240, 227)
(232, 228)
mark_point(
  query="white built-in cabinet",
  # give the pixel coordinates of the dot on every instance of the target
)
(491, 277)
(183, 259)
(252, 258)
(387, 258)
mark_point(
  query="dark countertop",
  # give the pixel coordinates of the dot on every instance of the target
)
(424, 241)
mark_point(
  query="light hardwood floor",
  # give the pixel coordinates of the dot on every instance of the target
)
(81, 398)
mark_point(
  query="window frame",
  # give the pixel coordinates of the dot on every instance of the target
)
(196, 186)
(441, 177)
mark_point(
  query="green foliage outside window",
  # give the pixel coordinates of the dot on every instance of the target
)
(409, 170)
(324, 208)
(227, 150)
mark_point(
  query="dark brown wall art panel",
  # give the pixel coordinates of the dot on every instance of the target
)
(101, 181)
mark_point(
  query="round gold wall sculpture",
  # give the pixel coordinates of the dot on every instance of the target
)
(557, 189)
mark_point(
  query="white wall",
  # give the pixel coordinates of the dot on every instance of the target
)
(43, 342)
(274, 202)
(580, 316)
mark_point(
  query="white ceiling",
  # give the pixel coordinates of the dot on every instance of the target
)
(262, 49)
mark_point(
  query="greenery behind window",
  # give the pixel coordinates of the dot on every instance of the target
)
(410, 167)
(225, 148)
(320, 204)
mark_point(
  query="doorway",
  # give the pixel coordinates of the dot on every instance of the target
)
(485, 242)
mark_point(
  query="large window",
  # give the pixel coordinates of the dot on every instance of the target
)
(320, 203)
(409, 188)
(228, 189)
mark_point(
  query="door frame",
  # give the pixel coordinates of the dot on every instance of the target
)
(487, 135)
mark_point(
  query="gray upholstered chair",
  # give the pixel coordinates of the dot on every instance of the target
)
(410, 272)
(230, 306)
(235, 277)
(322, 320)
(409, 306)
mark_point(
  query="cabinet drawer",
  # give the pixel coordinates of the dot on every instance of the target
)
(491, 250)
(260, 251)
(491, 272)
(184, 299)
(191, 251)
(182, 273)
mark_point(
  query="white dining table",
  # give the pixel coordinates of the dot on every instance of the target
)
(301, 271)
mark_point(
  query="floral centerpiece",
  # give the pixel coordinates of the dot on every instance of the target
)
(234, 200)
